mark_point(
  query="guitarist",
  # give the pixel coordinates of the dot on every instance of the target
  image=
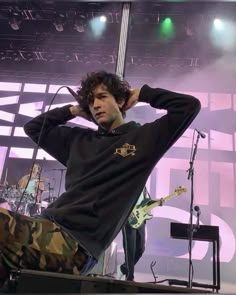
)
(133, 244)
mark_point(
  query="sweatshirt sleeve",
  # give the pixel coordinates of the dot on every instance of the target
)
(181, 111)
(47, 131)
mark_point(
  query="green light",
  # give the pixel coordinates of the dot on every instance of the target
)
(167, 29)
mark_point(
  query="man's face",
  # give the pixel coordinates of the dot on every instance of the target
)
(36, 169)
(104, 108)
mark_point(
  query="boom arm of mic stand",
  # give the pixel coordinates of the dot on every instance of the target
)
(190, 170)
(190, 176)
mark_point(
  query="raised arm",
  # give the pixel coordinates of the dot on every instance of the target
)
(55, 139)
(23, 181)
(181, 111)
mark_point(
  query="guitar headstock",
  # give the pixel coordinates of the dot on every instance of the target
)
(180, 190)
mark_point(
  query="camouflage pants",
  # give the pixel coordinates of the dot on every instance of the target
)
(39, 244)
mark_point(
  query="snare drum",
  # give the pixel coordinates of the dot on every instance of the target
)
(32, 209)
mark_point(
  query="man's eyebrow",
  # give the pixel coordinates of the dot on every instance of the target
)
(101, 93)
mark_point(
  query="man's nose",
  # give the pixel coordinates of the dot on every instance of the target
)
(96, 103)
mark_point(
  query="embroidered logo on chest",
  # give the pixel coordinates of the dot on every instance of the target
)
(126, 150)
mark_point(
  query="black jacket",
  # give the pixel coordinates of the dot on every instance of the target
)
(106, 172)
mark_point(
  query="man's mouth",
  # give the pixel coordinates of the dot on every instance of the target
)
(99, 114)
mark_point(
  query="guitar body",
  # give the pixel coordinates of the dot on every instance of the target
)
(139, 215)
(140, 212)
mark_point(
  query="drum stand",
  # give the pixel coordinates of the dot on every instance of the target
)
(50, 193)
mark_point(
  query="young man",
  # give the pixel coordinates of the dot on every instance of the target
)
(106, 172)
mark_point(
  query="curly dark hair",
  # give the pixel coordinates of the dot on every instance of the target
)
(118, 88)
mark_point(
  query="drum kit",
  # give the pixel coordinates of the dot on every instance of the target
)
(17, 199)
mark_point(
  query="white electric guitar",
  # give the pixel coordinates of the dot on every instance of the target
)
(140, 212)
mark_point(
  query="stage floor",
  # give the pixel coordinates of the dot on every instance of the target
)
(148, 277)
(28, 281)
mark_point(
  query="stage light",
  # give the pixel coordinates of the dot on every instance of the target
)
(80, 23)
(167, 29)
(223, 34)
(218, 24)
(2, 55)
(103, 19)
(15, 20)
(98, 27)
(59, 22)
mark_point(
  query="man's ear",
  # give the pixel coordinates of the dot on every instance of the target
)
(121, 103)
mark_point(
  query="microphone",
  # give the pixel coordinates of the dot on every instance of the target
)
(201, 133)
(197, 209)
(73, 93)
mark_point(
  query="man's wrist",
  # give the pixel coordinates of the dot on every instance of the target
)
(73, 110)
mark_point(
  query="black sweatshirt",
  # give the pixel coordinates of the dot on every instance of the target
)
(106, 171)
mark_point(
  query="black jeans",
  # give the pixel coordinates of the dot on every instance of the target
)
(134, 246)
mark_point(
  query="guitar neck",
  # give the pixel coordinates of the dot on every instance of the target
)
(159, 202)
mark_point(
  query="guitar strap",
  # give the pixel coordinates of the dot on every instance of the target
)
(146, 193)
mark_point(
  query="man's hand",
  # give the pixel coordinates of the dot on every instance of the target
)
(133, 99)
(78, 112)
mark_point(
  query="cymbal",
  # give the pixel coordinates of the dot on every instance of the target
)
(43, 179)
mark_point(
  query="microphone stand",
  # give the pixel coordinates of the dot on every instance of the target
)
(49, 192)
(191, 176)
